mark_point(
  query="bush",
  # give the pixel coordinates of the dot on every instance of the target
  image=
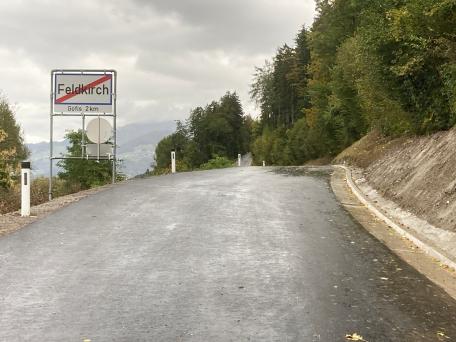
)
(217, 163)
(10, 198)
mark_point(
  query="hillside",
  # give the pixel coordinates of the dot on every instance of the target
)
(415, 172)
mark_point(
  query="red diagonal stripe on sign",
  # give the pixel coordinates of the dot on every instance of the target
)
(88, 86)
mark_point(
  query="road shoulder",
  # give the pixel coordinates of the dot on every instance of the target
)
(13, 221)
(431, 267)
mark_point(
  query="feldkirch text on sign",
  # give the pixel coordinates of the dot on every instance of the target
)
(78, 93)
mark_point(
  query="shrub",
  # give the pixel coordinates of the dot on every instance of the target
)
(10, 198)
(217, 163)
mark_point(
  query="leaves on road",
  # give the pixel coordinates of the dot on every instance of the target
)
(441, 336)
(354, 337)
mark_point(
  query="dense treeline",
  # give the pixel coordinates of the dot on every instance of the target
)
(387, 65)
(217, 132)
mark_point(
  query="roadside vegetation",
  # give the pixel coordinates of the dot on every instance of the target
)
(386, 66)
(85, 174)
(12, 152)
(76, 175)
(212, 137)
(12, 148)
(217, 163)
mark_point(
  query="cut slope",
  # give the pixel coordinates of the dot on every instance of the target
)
(418, 173)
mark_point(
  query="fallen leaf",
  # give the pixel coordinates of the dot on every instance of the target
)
(355, 337)
(441, 334)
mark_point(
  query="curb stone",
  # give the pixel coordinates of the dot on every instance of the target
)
(430, 250)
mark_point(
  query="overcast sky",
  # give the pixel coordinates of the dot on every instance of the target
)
(170, 55)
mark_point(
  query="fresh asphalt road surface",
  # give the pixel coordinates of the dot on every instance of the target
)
(241, 254)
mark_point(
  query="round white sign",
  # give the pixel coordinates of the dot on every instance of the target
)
(99, 131)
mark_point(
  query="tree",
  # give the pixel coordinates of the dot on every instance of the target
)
(7, 168)
(422, 66)
(299, 75)
(218, 130)
(12, 147)
(178, 142)
(86, 173)
(262, 92)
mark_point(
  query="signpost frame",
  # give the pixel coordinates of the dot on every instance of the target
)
(83, 114)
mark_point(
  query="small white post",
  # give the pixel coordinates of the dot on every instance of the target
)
(173, 162)
(264, 163)
(239, 159)
(25, 189)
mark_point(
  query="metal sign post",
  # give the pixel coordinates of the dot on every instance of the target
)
(86, 93)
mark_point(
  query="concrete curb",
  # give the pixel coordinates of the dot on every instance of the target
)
(430, 250)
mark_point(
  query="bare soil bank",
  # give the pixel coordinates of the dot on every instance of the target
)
(418, 173)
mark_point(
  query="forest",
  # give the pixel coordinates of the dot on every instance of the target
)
(385, 65)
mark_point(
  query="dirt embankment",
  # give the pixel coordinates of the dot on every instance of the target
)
(418, 173)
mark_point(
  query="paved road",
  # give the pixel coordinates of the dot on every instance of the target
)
(241, 254)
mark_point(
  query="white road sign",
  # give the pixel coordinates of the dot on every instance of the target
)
(99, 130)
(77, 93)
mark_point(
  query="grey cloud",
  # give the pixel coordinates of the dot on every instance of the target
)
(252, 25)
(171, 55)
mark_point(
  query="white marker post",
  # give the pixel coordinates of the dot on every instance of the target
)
(25, 189)
(173, 162)
(264, 163)
(239, 160)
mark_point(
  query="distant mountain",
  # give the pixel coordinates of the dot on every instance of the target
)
(135, 147)
(137, 142)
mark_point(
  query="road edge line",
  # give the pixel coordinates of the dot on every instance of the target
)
(431, 251)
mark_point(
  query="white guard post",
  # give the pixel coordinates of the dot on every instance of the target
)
(25, 189)
(239, 160)
(173, 162)
(264, 163)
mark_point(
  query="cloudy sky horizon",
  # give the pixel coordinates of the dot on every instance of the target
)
(170, 55)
